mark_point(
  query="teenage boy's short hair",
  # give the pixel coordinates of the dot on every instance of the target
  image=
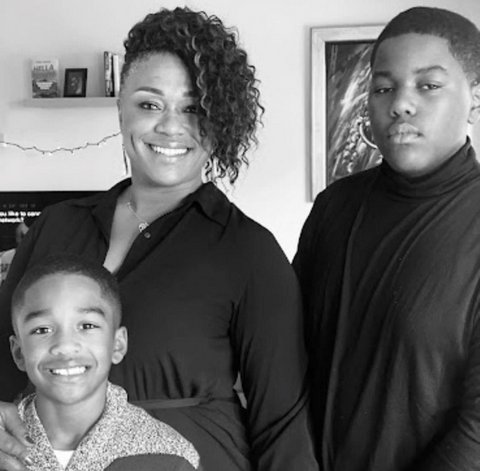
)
(462, 35)
(69, 265)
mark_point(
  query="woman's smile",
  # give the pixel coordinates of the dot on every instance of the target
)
(169, 151)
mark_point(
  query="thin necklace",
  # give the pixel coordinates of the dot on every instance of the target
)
(142, 223)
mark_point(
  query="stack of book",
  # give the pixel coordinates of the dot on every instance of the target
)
(112, 63)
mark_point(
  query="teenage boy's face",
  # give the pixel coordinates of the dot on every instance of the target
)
(420, 103)
(67, 338)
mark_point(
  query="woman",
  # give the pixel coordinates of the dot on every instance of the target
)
(207, 292)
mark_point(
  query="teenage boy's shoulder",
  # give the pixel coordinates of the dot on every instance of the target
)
(344, 194)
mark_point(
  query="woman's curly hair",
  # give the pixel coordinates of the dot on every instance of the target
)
(225, 84)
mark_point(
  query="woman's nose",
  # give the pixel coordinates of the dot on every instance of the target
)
(171, 123)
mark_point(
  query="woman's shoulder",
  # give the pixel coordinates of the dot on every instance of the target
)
(76, 209)
(252, 234)
(64, 214)
(73, 206)
(238, 224)
(88, 203)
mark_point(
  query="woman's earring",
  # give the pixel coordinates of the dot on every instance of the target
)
(126, 161)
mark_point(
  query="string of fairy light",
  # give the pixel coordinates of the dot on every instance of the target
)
(56, 150)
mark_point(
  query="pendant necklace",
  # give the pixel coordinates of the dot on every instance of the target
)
(142, 224)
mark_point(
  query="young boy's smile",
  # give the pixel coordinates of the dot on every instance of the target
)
(420, 102)
(67, 337)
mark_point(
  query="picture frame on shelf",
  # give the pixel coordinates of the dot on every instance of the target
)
(341, 140)
(75, 84)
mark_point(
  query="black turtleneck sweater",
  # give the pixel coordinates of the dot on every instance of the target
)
(390, 272)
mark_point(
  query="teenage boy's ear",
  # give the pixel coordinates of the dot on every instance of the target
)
(17, 354)
(120, 345)
(475, 109)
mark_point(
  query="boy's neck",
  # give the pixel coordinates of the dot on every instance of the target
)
(67, 424)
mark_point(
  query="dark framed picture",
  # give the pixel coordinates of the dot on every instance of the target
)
(341, 140)
(75, 83)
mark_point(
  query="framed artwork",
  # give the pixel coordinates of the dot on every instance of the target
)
(75, 84)
(341, 140)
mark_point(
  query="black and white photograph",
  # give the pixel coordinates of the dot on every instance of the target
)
(75, 83)
(240, 235)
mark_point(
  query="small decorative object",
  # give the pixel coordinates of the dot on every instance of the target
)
(75, 83)
(45, 78)
(341, 140)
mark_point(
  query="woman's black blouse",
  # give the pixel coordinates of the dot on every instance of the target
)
(206, 292)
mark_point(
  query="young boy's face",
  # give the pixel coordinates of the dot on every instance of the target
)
(67, 337)
(420, 102)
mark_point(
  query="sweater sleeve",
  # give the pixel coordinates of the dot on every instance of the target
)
(269, 342)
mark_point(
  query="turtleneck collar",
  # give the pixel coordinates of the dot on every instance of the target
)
(454, 173)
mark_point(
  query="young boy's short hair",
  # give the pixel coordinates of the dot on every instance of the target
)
(72, 265)
(462, 35)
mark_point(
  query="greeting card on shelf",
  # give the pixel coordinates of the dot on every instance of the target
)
(45, 79)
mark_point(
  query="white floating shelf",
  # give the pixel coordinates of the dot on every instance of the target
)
(80, 102)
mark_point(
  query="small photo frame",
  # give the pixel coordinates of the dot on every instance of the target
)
(341, 141)
(75, 83)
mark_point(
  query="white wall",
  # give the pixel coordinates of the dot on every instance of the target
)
(275, 189)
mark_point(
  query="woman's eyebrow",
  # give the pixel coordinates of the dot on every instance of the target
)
(158, 91)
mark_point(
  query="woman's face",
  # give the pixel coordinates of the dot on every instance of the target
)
(159, 124)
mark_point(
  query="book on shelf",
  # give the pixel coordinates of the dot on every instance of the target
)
(107, 65)
(113, 63)
(45, 79)
(117, 62)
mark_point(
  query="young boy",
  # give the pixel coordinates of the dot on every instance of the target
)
(389, 263)
(66, 317)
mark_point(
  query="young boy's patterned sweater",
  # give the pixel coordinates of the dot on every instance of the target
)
(125, 437)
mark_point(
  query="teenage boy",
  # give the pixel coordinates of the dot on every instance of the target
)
(389, 263)
(66, 317)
